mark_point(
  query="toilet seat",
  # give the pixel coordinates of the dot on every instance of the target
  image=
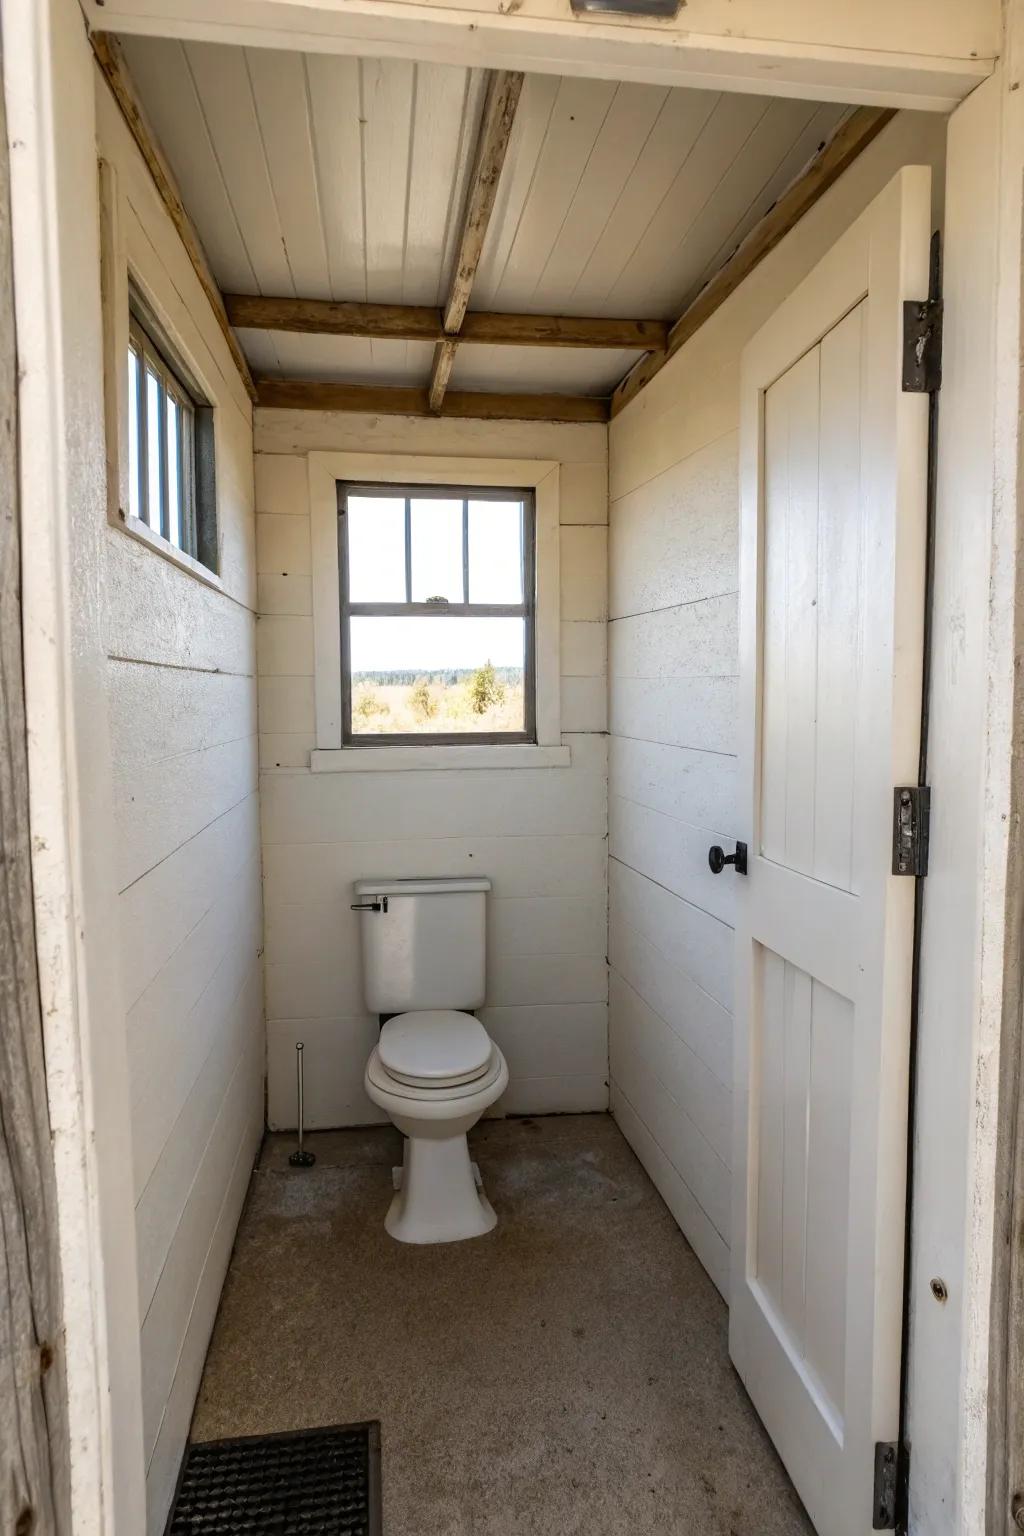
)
(438, 1101)
(435, 1050)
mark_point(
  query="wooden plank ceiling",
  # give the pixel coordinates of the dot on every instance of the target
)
(341, 179)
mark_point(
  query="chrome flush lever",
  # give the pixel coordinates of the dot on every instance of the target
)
(379, 904)
(718, 859)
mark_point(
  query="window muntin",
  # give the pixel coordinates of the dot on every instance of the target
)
(447, 655)
(162, 476)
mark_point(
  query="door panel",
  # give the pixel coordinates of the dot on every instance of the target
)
(833, 466)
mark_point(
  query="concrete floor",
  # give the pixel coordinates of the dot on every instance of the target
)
(568, 1373)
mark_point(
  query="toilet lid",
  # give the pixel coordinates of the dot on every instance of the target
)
(434, 1049)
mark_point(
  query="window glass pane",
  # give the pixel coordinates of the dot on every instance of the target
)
(437, 676)
(174, 507)
(134, 441)
(436, 550)
(154, 389)
(495, 551)
(376, 549)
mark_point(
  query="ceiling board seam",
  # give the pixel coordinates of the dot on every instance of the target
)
(362, 182)
(408, 176)
(712, 109)
(307, 99)
(529, 190)
(266, 166)
(751, 203)
(670, 258)
(599, 235)
(572, 200)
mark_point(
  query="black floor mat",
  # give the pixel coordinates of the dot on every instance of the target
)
(313, 1482)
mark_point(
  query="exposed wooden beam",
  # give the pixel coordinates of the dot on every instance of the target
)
(413, 400)
(850, 139)
(503, 91)
(417, 322)
(111, 62)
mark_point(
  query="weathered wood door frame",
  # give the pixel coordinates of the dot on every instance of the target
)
(34, 1450)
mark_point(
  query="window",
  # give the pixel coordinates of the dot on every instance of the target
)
(170, 449)
(437, 614)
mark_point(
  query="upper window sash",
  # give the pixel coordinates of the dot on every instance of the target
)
(441, 607)
(175, 450)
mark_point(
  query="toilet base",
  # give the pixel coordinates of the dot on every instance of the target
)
(439, 1197)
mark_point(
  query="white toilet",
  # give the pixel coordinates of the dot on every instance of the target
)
(435, 1069)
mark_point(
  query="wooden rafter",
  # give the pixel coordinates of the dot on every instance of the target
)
(413, 400)
(111, 61)
(414, 322)
(503, 91)
(850, 139)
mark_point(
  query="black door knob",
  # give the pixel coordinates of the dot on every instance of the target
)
(718, 859)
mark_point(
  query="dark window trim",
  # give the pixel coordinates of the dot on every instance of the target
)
(527, 610)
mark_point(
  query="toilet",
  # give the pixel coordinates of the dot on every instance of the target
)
(434, 1069)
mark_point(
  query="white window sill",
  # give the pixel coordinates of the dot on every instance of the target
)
(516, 754)
(166, 550)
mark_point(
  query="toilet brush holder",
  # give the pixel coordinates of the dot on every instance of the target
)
(300, 1158)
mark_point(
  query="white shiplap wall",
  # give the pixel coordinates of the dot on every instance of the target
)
(540, 834)
(182, 691)
(672, 717)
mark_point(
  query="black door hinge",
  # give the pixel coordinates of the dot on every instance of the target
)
(892, 1479)
(911, 818)
(922, 346)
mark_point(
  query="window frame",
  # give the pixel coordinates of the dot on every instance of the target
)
(526, 610)
(152, 359)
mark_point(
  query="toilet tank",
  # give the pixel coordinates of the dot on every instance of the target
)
(425, 946)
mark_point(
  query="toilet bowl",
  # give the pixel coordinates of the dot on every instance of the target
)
(434, 1072)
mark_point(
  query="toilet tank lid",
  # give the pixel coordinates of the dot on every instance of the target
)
(438, 887)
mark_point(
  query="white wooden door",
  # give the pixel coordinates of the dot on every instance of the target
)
(832, 543)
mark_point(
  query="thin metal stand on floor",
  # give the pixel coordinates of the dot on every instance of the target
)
(300, 1158)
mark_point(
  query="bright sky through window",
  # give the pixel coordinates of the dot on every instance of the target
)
(464, 667)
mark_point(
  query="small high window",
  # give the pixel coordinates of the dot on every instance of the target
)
(437, 614)
(170, 449)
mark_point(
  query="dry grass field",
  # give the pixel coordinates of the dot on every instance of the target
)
(389, 709)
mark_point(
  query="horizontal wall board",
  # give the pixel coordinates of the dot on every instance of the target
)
(702, 1096)
(696, 712)
(282, 545)
(277, 593)
(583, 493)
(584, 648)
(284, 646)
(520, 801)
(696, 639)
(584, 573)
(674, 539)
(160, 1206)
(519, 866)
(584, 703)
(706, 1241)
(176, 1057)
(156, 813)
(158, 911)
(554, 1040)
(160, 714)
(160, 613)
(514, 980)
(281, 484)
(694, 1016)
(165, 1461)
(688, 1149)
(286, 749)
(168, 1317)
(698, 787)
(567, 1095)
(670, 852)
(335, 1053)
(287, 706)
(694, 943)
